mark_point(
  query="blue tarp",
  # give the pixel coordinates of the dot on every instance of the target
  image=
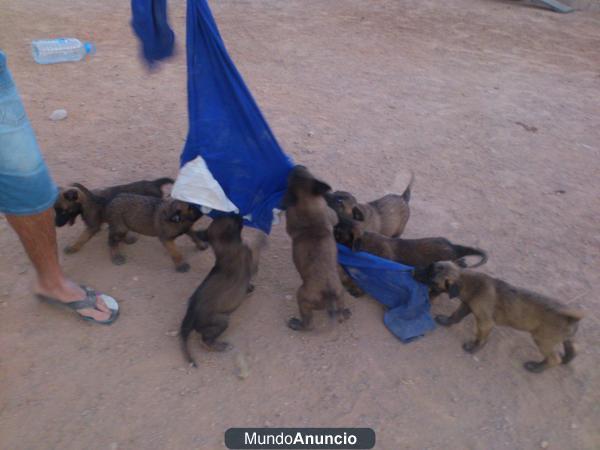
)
(242, 166)
(390, 283)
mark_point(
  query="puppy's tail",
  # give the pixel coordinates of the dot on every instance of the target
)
(187, 326)
(464, 251)
(407, 192)
(160, 182)
(570, 352)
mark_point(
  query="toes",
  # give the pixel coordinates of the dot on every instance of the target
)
(118, 260)
(534, 367)
(101, 306)
(182, 268)
(443, 320)
(295, 324)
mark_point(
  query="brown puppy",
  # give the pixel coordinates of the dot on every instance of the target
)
(164, 218)
(412, 252)
(225, 287)
(494, 301)
(387, 215)
(309, 222)
(77, 199)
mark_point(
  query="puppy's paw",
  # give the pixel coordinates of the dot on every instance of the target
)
(471, 346)
(295, 324)
(250, 288)
(535, 367)
(221, 346)
(118, 260)
(130, 239)
(182, 268)
(70, 249)
(443, 320)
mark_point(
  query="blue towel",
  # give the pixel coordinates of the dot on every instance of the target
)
(407, 301)
(231, 161)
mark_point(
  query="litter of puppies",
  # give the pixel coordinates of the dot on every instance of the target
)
(316, 219)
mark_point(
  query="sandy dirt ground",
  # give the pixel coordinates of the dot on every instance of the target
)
(496, 108)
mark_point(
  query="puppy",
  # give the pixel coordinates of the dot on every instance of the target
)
(309, 222)
(493, 301)
(225, 287)
(387, 215)
(412, 252)
(77, 200)
(166, 219)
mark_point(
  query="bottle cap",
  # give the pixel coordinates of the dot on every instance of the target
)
(90, 48)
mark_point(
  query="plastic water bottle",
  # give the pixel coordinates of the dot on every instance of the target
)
(52, 51)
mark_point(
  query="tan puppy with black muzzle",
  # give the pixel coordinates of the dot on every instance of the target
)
(387, 215)
(493, 301)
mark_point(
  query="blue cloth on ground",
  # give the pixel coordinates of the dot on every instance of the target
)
(407, 301)
(231, 160)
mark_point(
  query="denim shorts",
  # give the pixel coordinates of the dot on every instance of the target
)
(25, 184)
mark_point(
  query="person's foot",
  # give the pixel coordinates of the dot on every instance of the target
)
(71, 292)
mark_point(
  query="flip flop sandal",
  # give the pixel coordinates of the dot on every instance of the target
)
(88, 302)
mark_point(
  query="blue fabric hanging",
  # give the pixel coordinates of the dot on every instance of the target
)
(231, 161)
(390, 283)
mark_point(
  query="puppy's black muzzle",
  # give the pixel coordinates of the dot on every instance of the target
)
(61, 217)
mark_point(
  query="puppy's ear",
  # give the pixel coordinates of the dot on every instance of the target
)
(453, 289)
(202, 235)
(175, 217)
(240, 221)
(195, 212)
(289, 199)
(357, 214)
(320, 187)
(71, 195)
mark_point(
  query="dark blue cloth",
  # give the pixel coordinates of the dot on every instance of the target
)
(226, 126)
(151, 25)
(407, 301)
